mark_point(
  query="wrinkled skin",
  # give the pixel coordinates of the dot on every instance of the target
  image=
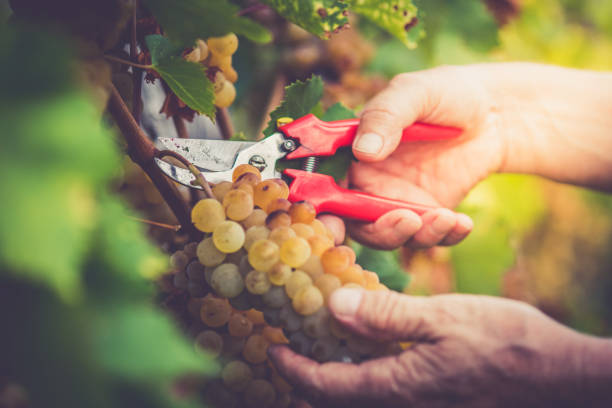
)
(468, 351)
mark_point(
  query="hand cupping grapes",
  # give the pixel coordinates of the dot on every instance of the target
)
(263, 275)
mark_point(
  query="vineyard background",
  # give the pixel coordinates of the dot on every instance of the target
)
(76, 266)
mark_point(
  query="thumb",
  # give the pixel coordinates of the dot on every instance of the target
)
(387, 114)
(385, 315)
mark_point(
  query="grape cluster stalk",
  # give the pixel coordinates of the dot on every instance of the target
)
(262, 275)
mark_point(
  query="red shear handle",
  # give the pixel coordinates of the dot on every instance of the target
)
(326, 196)
(319, 138)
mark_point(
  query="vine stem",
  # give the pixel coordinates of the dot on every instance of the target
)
(200, 179)
(155, 223)
(136, 72)
(142, 152)
(126, 62)
(180, 126)
(225, 123)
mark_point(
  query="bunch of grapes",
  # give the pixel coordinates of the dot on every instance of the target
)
(216, 52)
(263, 275)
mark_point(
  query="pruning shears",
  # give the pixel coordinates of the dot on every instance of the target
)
(306, 138)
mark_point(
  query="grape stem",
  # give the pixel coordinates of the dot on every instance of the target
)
(155, 223)
(126, 62)
(142, 152)
(225, 123)
(200, 179)
(181, 128)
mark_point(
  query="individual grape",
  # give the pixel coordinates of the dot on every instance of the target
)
(307, 300)
(227, 281)
(257, 282)
(300, 343)
(228, 236)
(284, 192)
(319, 244)
(324, 348)
(335, 260)
(226, 94)
(259, 394)
(281, 234)
(255, 349)
(302, 212)
(190, 249)
(244, 266)
(245, 168)
(241, 302)
(207, 214)
(313, 267)
(281, 204)
(263, 255)
(193, 307)
(210, 342)
(278, 219)
(279, 274)
(338, 330)
(195, 272)
(194, 55)
(272, 316)
(255, 316)
(275, 297)
(238, 204)
(208, 271)
(318, 227)
(343, 355)
(230, 74)
(208, 254)
(239, 326)
(296, 281)
(217, 395)
(274, 335)
(317, 324)
(349, 251)
(352, 285)
(225, 45)
(254, 234)
(215, 312)
(252, 179)
(266, 192)
(280, 384)
(180, 280)
(196, 289)
(236, 257)
(302, 230)
(283, 400)
(223, 62)
(257, 217)
(221, 189)
(232, 346)
(295, 251)
(353, 274)
(372, 281)
(327, 284)
(179, 260)
(361, 345)
(289, 320)
(236, 375)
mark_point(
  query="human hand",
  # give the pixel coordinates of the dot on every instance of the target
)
(468, 351)
(437, 173)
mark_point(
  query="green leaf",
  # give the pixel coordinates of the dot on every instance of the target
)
(398, 17)
(187, 20)
(337, 112)
(187, 80)
(138, 342)
(385, 263)
(320, 17)
(337, 165)
(300, 99)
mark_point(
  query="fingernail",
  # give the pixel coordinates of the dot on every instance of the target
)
(345, 302)
(369, 143)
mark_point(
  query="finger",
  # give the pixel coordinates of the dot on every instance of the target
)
(437, 224)
(384, 117)
(390, 231)
(463, 227)
(338, 384)
(335, 225)
(385, 315)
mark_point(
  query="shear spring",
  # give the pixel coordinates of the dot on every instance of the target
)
(310, 164)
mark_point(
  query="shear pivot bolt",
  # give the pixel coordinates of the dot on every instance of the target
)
(288, 145)
(258, 162)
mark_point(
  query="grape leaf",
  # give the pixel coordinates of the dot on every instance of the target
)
(138, 342)
(398, 17)
(187, 80)
(320, 17)
(186, 20)
(385, 263)
(300, 98)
